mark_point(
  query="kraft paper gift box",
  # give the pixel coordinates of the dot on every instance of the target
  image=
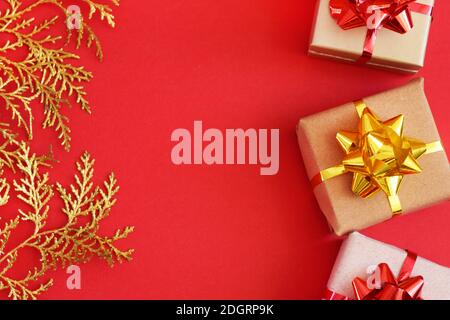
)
(392, 50)
(346, 211)
(359, 252)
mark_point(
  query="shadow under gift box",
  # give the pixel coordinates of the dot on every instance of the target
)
(393, 51)
(346, 211)
(358, 252)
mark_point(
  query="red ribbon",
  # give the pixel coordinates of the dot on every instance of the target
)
(404, 287)
(394, 15)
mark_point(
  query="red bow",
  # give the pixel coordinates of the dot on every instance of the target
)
(394, 15)
(404, 287)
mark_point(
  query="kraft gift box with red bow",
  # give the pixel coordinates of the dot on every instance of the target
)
(367, 269)
(375, 158)
(390, 34)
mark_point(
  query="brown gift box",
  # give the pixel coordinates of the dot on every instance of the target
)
(359, 252)
(395, 51)
(344, 210)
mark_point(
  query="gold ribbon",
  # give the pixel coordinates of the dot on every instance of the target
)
(378, 155)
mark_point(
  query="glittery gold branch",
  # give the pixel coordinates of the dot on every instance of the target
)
(47, 73)
(84, 206)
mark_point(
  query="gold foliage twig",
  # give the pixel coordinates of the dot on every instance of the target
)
(84, 206)
(46, 73)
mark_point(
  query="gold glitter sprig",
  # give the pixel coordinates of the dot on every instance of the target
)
(77, 241)
(46, 73)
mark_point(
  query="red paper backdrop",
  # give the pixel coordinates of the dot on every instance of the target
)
(225, 232)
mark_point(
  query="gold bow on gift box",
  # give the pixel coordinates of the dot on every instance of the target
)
(378, 155)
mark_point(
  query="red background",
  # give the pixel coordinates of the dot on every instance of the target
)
(225, 232)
